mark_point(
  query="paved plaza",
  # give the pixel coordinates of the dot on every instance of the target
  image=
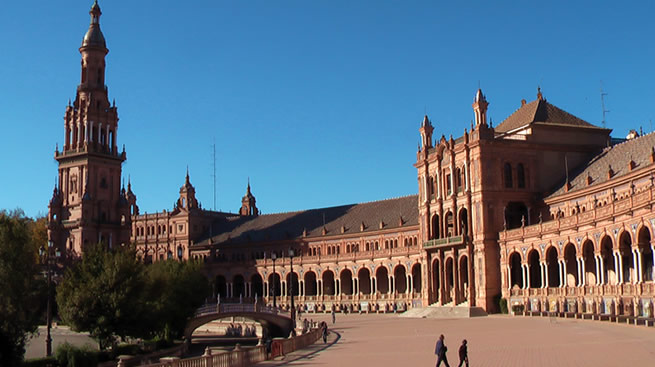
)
(388, 340)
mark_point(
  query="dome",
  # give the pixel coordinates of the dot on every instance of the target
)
(94, 37)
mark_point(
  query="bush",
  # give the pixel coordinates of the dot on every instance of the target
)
(126, 349)
(502, 305)
(41, 362)
(71, 356)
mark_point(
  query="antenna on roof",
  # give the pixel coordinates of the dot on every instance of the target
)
(214, 169)
(602, 102)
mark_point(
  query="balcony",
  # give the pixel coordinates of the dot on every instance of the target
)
(444, 242)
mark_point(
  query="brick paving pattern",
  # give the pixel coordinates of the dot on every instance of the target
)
(386, 340)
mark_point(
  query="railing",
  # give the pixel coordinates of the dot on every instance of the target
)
(239, 307)
(442, 242)
(625, 289)
(241, 357)
(597, 214)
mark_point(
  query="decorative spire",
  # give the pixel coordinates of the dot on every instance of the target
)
(539, 95)
(93, 36)
(480, 105)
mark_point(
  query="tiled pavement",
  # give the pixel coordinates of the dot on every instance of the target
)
(386, 340)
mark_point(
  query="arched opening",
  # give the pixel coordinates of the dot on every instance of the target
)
(606, 253)
(520, 176)
(463, 222)
(328, 283)
(450, 282)
(508, 175)
(450, 225)
(464, 277)
(516, 271)
(364, 280)
(435, 227)
(416, 278)
(552, 265)
(257, 285)
(516, 213)
(292, 283)
(275, 285)
(535, 269)
(346, 282)
(238, 286)
(382, 279)
(589, 259)
(310, 283)
(625, 251)
(436, 279)
(571, 262)
(221, 286)
(646, 254)
(400, 279)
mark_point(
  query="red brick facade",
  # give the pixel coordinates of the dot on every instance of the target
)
(545, 210)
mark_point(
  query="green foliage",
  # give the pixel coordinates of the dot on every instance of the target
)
(176, 290)
(502, 305)
(41, 362)
(103, 294)
(19, 286)
(110, 294)
(68, 355)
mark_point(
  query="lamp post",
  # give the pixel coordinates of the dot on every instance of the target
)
(47, 255)
(274, 256)
(293, 310)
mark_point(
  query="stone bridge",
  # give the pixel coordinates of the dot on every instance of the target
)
(278, 323)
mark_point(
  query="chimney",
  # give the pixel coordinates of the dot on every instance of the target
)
(610, 172)
(523, 102)
(589, 179)
(631, 165)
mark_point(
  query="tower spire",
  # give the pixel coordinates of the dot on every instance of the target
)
(480, 105)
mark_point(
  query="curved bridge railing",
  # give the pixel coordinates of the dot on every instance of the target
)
(240, 307)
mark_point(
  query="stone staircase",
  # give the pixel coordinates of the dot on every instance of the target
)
(447, 311)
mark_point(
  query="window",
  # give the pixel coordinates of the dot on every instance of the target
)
(180, 228)
(508, 176)
(449, 186)
(458, 178)
(520, 175)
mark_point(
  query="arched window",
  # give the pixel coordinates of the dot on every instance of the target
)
(508, 176)
(520, 176)
(458, 179)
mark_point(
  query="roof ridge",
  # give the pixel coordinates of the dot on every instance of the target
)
(336, 206)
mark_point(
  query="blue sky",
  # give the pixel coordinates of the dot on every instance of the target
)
(318, 102)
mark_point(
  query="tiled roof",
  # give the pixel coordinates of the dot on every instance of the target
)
(285, 226)
(540, 110)
(618, 156)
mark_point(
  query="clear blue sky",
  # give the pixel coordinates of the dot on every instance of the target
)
(318, 102)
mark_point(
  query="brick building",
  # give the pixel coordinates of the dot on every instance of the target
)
(545, 210)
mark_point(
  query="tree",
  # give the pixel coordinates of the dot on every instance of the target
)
(175, 290)
(103, 294)
(19, 306)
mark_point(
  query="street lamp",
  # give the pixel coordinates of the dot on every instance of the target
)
(274, 256)
(47, 255)
(293, 310)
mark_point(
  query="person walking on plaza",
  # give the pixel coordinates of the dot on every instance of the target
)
(325, 333)
(463, 354)
(334, 315)
(440, 350)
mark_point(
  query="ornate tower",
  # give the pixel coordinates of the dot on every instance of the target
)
(187, 200)
(248, 207)
(426, 133)
(480, 107)
(89, 205)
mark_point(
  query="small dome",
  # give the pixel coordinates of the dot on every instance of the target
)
(94, 37)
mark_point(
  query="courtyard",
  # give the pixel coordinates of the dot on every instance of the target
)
(389, 340)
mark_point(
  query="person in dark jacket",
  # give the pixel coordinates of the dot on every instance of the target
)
(440, 350)
(463, 354)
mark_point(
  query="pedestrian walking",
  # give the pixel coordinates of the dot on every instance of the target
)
(325, 333)
(334, 315)
(440, 350)
(463, 354)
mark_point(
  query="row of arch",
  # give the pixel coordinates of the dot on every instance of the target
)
(448, 227)
(336, 249)
(364, 281)
(450, 280)
(625, 261)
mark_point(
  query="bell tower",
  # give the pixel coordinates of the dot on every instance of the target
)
(90, 205)
(248, 206)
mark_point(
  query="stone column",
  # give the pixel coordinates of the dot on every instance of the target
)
(374, 284)
(562, 273)
(392, 285)
(266, 289)
(637, 256)
(509, 277)
(601, 266)
(408, 286)
(544, 272)
(581, 272)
